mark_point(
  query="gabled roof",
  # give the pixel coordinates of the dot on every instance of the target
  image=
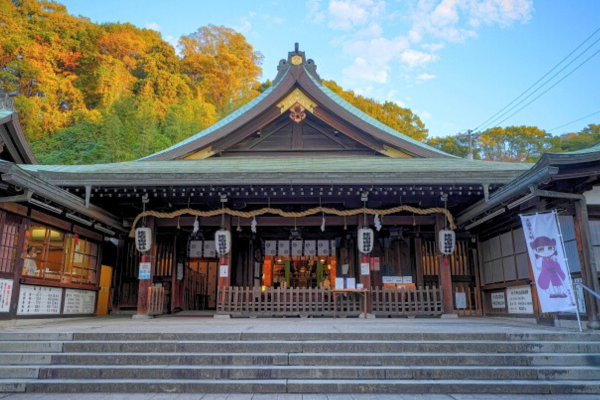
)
(13, 144)
(297, 73)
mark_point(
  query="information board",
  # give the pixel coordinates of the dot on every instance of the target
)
(460, 299)
(498, 300)
(519, 300)
(144, 272)
(6, 287)
(35, 300)
(79, 301)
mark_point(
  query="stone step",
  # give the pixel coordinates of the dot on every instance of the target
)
(354, 346)
(34, 336)
(306, 359)
(303, 386)
(341, 336)
(299, 372)
(30, 347)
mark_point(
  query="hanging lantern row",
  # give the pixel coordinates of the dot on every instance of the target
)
(143, 236)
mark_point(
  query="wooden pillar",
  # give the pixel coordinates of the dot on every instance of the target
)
(144, 284)
(419, 261)
(445, 277)
(176, 284)
(588, 266)
(18, 271)
(225, 261)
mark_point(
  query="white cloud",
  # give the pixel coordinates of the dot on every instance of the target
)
(245, 24)
(433, 47)
(432, 24)
(425, 114)
(414, 58)
(154, 26)
(272, 20)
(363, 70)
(315, 14)
(347, 14)
(425, 77)
(392, 96)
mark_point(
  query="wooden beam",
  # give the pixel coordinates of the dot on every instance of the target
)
(297, 140)
(348, 130)
(324, 132)
(268, 132)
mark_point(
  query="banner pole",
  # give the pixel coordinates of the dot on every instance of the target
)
(562, 243)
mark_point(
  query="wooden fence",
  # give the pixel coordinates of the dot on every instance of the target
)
(247, 301)
(472, 301)
(419, 301)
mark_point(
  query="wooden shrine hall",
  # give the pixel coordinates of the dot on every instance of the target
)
(297, 204)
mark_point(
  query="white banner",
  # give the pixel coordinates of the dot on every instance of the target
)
(552, 276)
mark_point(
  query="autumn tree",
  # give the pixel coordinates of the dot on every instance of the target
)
(453, 145)
(222, 66)
(398, 118)
(516, 144)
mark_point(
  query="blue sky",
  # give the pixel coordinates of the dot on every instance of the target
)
(455, 63)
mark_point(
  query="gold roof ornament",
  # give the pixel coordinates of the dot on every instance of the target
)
(296, 60)
(296, 97)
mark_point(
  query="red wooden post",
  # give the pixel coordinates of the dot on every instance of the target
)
(144, 284)
(366, 279)
(225, 273)
(445, 277)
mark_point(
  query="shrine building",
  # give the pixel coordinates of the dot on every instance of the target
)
(296, 204)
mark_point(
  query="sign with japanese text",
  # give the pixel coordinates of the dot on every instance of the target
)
(6, 287)
(39, 300)
(519, 300)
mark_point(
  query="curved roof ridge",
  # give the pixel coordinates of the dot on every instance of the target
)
(369, 119)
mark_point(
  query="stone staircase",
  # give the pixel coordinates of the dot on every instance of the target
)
(537, 363)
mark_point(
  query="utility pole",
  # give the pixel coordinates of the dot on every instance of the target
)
(472, 137)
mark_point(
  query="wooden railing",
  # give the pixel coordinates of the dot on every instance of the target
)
(418, 301)
(156, 300)
(247, 301)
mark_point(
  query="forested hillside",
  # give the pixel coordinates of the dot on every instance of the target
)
(93, 93)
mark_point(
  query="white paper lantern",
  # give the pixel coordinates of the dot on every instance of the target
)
(365, 240)
(143, 239)
(222, 242)
(447, 241)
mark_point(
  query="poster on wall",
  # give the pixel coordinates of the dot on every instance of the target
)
(39, 300)
(144, 271)
(519, 300)
(546, 254)
(223, 271)
(498, 300)
(460, 299)
(6, 286)
(79, 301)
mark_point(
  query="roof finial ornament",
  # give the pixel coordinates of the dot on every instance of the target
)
(296, 47)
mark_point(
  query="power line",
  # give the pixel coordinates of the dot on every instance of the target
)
(577, 120)
(547, 90)
(539, 80)
(542, 85)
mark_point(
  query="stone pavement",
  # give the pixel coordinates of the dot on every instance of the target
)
(274, 396)
(124, 324)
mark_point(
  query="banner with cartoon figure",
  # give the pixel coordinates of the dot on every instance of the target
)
(546, 253)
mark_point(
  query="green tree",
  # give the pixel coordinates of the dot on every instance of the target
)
(454, 145)
(589, 136)
(398, 118)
